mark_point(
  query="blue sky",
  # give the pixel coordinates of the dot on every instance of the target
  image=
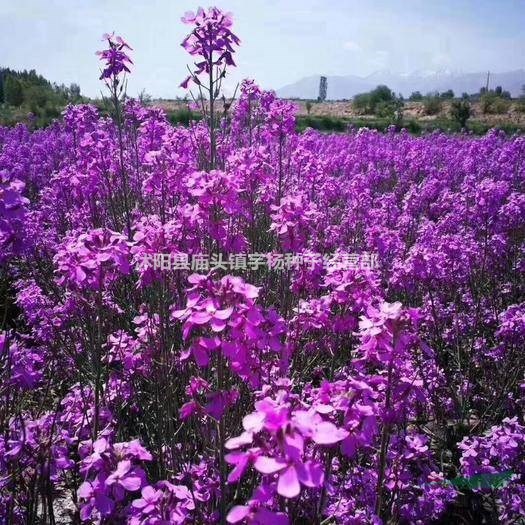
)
(283, 41)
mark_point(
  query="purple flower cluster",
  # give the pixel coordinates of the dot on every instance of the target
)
(318, 394)
(115, 57)
(211, 41)
(501, 449)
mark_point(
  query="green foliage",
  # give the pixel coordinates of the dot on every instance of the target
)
(432, 105)
(9, 116)
(482, 481)
(51, 111)
(324, 123)
(502, 94)
(362, 104)
(461, 111)
(382, 93)
(447, 95)
(446, 125)
(183, 117)
(36, 97)
(31, 92)
(384, 109)
(308, 107)
(74, 90)
(492, 104)
(520, 106)
(414, 127)
(391, 110)
(13, 91)
(381, 101)
(332, 123)
(415, 96)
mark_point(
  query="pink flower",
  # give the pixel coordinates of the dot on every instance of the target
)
(96, 500)
(125, 476)
(149, 499)
(322, 432)
(241, 460)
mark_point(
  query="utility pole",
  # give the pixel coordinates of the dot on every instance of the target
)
(323, 86)
(488, 78)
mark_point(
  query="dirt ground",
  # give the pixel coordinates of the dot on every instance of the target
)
(414, 110)
(411, 110)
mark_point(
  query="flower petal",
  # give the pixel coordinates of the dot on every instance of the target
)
(131, 482)
(237, 514)
(311, 473)
(327, 433)
(267, 465)
(223, 314)
(288, 484)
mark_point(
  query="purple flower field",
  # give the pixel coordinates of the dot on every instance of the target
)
(233, 322)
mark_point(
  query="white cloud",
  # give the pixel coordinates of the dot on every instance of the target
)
(350, 45)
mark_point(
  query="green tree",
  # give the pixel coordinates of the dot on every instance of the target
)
(460, 111)
(521, 100)
(432, 104)
(362, 103)
(415, 96)
(74, 92)
(13, 91)
(308, 107)
(492, 104)
(368, 103)
(447, 95)
(36, 97)
(381, 93)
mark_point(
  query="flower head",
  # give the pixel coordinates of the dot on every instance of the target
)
(115, 57)
(211, 41)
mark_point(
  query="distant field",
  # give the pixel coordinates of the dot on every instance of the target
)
(414, 110)
(338, 115)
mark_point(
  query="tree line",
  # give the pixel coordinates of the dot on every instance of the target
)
(383, 102)
(30, 92)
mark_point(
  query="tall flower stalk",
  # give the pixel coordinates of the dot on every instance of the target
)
(116, 65)
(213, 44)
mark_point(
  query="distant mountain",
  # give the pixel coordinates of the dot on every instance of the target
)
(345, 87)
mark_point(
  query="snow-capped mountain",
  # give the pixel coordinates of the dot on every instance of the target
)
(425, 81)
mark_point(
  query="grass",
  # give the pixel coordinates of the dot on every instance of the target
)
(339, 124)
(10, 116)
(183, 117)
